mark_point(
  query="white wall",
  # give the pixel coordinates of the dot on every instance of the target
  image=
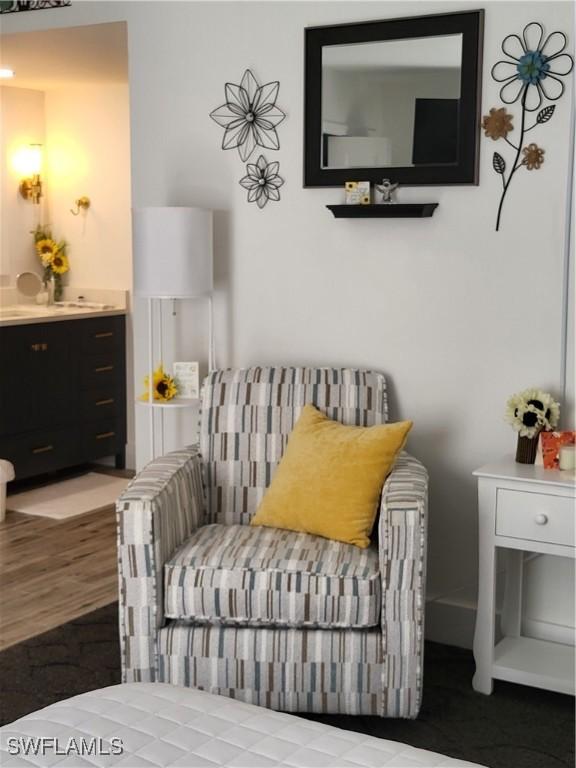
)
(21, 124)
(88, 153)
(548, 609)
(457, 315)
(569, 413)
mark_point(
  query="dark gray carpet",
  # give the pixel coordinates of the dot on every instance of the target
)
(516, 727)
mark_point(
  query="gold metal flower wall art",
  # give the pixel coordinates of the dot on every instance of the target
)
(530, 74)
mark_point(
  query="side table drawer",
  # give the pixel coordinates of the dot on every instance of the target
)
(535, 516)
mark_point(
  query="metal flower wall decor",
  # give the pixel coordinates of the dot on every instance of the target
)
(531, 74)
(262, 182)
(250, 117)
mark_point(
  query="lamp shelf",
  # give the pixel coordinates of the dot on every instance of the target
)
(176, 402)
(184, 236)
(384, 211)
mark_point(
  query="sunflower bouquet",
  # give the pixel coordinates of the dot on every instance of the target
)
(529, 413)
(163, 386)
(54, 258)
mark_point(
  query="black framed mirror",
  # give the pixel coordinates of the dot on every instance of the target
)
(397, 99)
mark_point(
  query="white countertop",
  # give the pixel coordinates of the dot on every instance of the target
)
(28, 315)
(84, 303)
(508, 469)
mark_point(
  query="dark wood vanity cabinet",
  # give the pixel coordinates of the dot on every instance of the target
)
(62, 393)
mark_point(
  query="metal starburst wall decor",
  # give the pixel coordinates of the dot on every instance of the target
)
(249, 116)
(262, 182)
(531, 75)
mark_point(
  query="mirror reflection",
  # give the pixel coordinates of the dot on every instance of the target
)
(391, 103)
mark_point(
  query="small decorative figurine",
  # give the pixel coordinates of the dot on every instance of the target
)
(385, 190)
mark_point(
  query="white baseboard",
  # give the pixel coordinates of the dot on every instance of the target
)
(452, 623)
(108, 461)
(130, 456)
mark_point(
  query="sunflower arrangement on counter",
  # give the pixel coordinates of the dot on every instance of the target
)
(54, 258)
(163, 386)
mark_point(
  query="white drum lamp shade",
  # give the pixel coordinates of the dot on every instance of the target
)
(172, 252)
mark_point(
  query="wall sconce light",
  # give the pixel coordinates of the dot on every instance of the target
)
(30, 165)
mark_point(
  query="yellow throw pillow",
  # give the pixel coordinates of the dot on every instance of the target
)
(330, 478)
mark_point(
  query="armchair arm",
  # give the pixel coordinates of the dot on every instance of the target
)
(402, 546)
(156, 513)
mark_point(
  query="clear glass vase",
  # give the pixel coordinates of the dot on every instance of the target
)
(58, 287)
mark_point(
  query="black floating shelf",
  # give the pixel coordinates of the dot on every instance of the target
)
(383, 211)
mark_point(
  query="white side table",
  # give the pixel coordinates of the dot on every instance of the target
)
(522, 508)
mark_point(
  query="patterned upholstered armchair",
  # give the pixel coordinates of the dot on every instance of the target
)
(277, 618)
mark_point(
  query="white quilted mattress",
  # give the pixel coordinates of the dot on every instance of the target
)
(163, 725)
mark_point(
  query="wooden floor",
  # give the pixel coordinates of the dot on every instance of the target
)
(52, 571)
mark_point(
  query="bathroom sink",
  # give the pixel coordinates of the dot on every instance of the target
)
(88, 305)
(61, 309)
(22, 311)
(13, 313)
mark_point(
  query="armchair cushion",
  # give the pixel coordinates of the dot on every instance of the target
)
(262, 576)
(330, 477)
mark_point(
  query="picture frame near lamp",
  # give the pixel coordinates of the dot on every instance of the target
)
(394, 99)
(187, 376)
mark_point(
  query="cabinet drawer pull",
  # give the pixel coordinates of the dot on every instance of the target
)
(41, 347)
(44, 449)
(109, 401)
(104, 435)
(104, 335)
(103, 368)
(541, 519)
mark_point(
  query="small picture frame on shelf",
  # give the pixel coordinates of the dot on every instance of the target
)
(357, 193)
(187, 376)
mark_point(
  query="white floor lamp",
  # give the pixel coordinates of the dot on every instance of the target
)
(172, 260)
